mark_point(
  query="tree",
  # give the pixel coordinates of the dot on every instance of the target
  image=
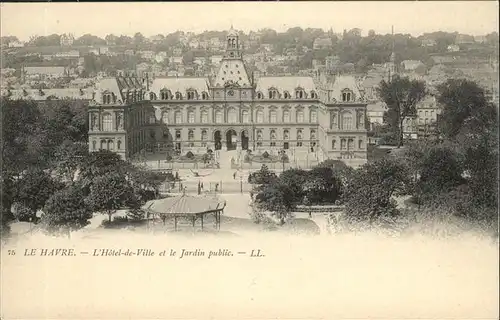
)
(110, 193)
(295, 179)
(68, 157)
(401, 95)
(98, 164)
(322, 186)
(277, 198)
(34, 188)
(369, 192)
(66, 211)
(263, 176)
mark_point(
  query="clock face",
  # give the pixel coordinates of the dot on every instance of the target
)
(230, 92)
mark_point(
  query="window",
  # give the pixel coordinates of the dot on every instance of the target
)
(347, 96)
(272, 116)
(313, 116)
(204, 116)
(191, 95)
(246, 116)
(260, 95)
(334, 144)
(314, 95)
(299, 134)
(300, 116)
(152, 118)
(166, 134)
(299, 94)
(272, 136)
(152, 96)
(107, 98)
(164, 94)
(111, 145)
(287, 95)
(334, 120)
(178, 96)
(103, 144)
(360, 144)
(273, 94)
(313, 134)
(343, 144)
(286, 116)
(260, 116)
(218, 116)
(426, 113)
(178, 117)
(232, 116)
(177, 134)
(107, 122)
(350, 144)
(164, 117)
(204, 96)
(204, 135)
(190, 135)
(152, 134)
(191, 116)
(347, 121)
(426, 121)
(286, 134)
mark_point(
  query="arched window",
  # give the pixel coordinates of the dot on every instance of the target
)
(273, 116)
(204, 96)
(191, 95)
(286, 134)
(178, 117)
(107, 122)
(343, 144)
(313, 134)
(178, 95)
(273, 94)
(313, 116)
(218, 116)
(260, 116)
(119, 145)
(314, 95)
(360, 144)
(107, 98)
(350, 144)
(299, 134)
(165, 94)
(299, 94)
(300, 116)
(347, 121)
(190, 135)
(152, 96)
(164, 117)
(94, 145)
(347, 96)
(152, 118)
(204, 116)
(204, 135)
(260, 95)
(103, 144)
(246, 116)
(190, 116)
(286, 116)
(111, 145)
(334, 144)
(232, 116)
(286, 95)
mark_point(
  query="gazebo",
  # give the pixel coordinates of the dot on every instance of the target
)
(185, 206)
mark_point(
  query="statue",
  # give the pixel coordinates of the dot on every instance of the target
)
(119, 121)
(95, 123)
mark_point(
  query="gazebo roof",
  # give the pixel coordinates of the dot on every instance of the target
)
(184, 204)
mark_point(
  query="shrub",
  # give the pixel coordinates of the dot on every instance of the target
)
(265, 155)
(247, 158)
(135, 215)
(169, 157)
(189, 155)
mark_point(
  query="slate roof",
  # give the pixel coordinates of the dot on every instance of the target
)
(286, 83)
(341, 83)
(179, 84)
(35, 94)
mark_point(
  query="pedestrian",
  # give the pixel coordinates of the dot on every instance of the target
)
(202, 186)
(216, 187)
(234, 175)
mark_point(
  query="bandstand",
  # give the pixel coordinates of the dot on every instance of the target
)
(192, 208)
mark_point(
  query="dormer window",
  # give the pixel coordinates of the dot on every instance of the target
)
(191, 95)
(287, 95)
(273, 94)
(165, 94)
(152, 96)
(178, 96)
(260, 95)
(107, 98)
(314, 95)
(300, 94)
(204, 96)
(347, 95)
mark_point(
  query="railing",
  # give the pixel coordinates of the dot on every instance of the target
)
(196, 187)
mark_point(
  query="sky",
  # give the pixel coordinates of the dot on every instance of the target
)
(26, 19)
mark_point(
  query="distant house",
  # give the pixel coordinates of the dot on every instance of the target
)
(215, 60)
(16, 44)
(147, 55)
(429, 43)
(156, 39)
(103, 50)
(67, 40)
(412, 65)
(176, 60)
(480, 39)
(129, 52)
(94, 51)
(73, 54)
(194, 43)
(453, 48)
(46, 72)
(177, 52)
(160, 57)
(322, 43)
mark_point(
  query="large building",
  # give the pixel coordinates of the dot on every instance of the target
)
(229, 111)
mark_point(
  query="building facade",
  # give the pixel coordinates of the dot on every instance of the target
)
(229, 111)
